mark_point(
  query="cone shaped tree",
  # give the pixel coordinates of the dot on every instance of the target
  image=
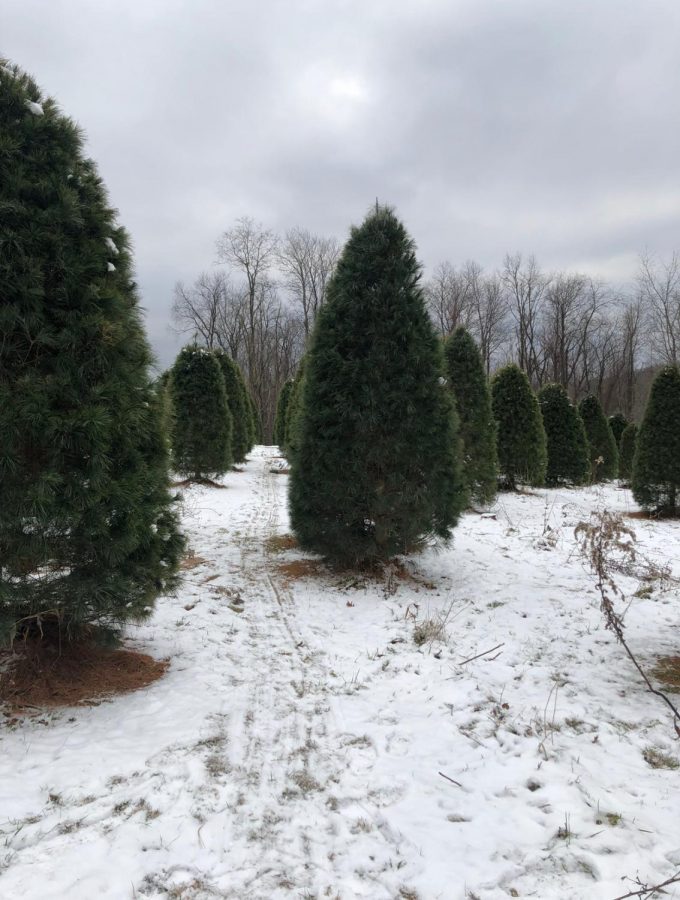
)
(567, 445)
(604, 457)
(618, 424)
(88, 531)
(521, 442)
(236, 399)
(281, 410)
(256, 436)
(627, 452)
(656, 464)
(201, 446)
(467, 378)
(376, 471)
(294, 411)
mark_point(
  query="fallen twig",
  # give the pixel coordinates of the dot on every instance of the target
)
(647, 890)
(485, 653)
(452, 780)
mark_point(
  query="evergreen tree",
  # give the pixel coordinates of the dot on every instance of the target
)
(627, 451)
(238, 407)
(376, 469)
(604, 457)
(256, 436)
(618, 424)
(567, 445)
(294, 412)
(203, 427)
(472, 394)
(281, 410)
(656, 464)
(88, 530)
(521, 441)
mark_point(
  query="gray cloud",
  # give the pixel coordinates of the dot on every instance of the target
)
(492, 126)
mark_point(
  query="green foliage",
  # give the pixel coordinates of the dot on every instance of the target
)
(238, 406)
(627, 451)
(604, 457)
(203, 425)
(567, 445)
(656, 464)
(467, 378)
(376, 469)
(281, 413)
(88, 530)
(521, 441)
(294, 411)
(256, 435)
(618, 424)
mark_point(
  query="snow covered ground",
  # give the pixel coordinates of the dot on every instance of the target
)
(303, 745)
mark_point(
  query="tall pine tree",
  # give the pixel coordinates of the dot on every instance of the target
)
(281, 411)
(567, 445)
(467, 379)
(238, 406)
(627, 451)
(88, 530)
(604, 457)
(376, 471)
(203, 427)
(294, 411)
(656, 464)
(618, 424)
(521, 441)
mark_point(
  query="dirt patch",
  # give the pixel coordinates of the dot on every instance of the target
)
(301, 568)
(205, 482)
(667, 672)
(37, 674)
(192, 561)
(649, 516)
(277, 543)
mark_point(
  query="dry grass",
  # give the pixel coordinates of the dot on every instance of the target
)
(192, 561)
(301, 568)
(278, 543)
(657, 759)
(667, 672)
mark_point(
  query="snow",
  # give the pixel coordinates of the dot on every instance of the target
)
(110, 267)
(111, 245)
(35, 108)
(301, 744)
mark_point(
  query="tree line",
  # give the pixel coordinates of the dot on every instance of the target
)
(559, 327)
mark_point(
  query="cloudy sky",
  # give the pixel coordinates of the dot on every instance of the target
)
(542, 126)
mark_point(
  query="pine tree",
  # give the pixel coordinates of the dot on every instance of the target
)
(618, 424)
(294, 412)
(604, 457)
(88, 530)
(238, 407)
(376, 469)
(203, 427)
(656, 464)
(627, 451)
(567, 445)
(281, 410)
(521, 441)
(472, 394)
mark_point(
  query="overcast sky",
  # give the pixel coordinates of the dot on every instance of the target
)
(530, 125)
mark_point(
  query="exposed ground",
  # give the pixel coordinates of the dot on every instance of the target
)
(324, 735)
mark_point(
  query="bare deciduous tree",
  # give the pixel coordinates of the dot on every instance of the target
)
(659, 287)
(307, 262)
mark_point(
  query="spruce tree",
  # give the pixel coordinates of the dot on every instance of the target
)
(618, 424)
(281, 410)
(656, 464)
(203, 427)
(472, 394)
(521, 441)
(88, 530)
(627, 451)
(604, 457)
(236, 399)
(376, 469)
(567, 446)
(256, 436)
